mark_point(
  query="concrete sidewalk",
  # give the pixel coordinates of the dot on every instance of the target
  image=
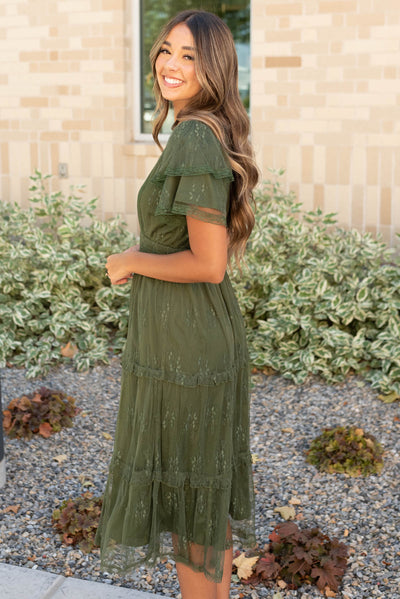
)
(25, 583)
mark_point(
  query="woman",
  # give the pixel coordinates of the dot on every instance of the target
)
(180, 476)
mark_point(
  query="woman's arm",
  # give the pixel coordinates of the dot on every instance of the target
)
(205, 261)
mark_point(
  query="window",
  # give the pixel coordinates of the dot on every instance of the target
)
(153, 14)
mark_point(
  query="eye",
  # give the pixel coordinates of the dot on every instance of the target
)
(188, 57)
(164, 51)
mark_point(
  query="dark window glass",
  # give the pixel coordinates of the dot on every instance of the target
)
(155, 13)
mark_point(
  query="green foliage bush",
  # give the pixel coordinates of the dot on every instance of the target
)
(318, 299)
(77, 520)
(53, 288)
(346, 449)
(43, 412)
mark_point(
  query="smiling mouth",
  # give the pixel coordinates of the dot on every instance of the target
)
(171, 81)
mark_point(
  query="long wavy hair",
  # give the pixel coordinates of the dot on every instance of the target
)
(218, 105)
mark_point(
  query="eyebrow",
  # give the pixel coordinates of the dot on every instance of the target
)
(183, 47)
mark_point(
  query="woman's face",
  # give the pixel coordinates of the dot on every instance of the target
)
(175, 67)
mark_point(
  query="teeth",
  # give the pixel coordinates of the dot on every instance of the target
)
(172, 81)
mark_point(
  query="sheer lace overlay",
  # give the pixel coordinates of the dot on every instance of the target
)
(181, 466)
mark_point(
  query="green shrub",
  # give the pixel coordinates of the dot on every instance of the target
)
(77, 520)
(318, 299)
(346, 449)
(53, 288)
(297, 556)
(43, 412)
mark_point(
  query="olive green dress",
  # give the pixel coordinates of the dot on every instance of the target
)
(181, 462)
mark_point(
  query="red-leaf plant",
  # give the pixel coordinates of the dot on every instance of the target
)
(43, 412)
(77, 520)
(301, 556)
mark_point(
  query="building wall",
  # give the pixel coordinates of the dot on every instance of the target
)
(325, 102)
(66, 96)
(326, 105)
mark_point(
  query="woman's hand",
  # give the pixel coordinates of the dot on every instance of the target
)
(204, 262)
(118, 266)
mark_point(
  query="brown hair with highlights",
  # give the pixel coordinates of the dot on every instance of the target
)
(218, 104)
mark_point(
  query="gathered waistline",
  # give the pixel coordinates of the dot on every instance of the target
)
(153, 245)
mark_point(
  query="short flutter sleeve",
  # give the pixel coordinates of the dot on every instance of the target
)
(194, 174)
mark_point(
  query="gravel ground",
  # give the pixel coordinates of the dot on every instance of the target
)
(364, 513)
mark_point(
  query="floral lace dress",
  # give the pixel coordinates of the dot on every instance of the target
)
(181, 462)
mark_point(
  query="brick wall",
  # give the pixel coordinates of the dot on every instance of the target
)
(66, 96)
(325, 102)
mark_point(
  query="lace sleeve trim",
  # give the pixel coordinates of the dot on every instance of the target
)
(185, 171)
(198, 213)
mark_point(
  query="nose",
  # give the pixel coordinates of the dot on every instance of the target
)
(171, 63)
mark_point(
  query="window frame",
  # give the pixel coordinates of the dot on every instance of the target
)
(138, 135)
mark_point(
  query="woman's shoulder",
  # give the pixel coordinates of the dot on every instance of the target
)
(194, 131)
(195, 126)
(195, 137)
(193, 149)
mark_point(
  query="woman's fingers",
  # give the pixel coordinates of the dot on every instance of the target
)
(117, 270)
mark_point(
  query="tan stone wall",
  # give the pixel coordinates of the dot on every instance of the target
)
(66, 96)
(325, 102)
